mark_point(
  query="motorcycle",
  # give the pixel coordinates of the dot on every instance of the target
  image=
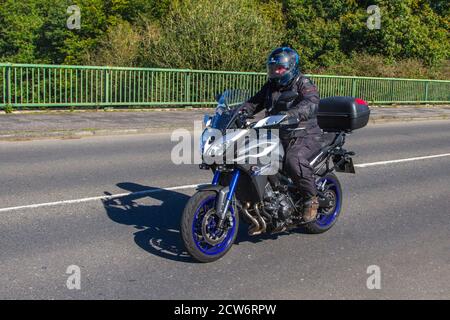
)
(259, 192)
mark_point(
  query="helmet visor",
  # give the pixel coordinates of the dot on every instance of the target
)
(276, 71)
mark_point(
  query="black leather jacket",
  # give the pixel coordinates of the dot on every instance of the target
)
(304, 106)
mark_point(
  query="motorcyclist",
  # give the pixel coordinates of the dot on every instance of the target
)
(300, 142)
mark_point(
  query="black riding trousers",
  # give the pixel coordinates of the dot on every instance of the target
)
(298, 151)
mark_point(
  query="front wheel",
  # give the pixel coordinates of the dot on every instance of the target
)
(202, 238)
(327, 217)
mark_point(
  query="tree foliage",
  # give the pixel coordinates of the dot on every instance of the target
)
(35, 31)
(331, 35)
(327, 31)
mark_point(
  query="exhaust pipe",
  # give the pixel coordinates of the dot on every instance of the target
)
(261, 220)
(255, 228)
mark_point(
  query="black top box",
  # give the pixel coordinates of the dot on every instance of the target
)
(342, 114)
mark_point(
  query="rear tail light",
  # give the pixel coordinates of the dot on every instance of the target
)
(361, 101)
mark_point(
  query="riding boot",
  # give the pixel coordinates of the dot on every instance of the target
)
(310, 208)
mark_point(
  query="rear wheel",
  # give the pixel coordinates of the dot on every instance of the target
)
(202, 237)
(327, 217)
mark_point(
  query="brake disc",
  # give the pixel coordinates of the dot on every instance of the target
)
(209, 228)
(331, 195)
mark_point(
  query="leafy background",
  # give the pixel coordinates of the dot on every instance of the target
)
(331, 35)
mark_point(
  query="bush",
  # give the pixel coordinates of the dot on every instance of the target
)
(120, 47)
(379, 66)
(8, 109)
(213, 35)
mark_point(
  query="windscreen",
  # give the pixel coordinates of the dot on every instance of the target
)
(227, 103)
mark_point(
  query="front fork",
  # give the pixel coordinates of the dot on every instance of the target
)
(225, 195)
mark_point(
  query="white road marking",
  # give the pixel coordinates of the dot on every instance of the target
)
(190, 186)
(106, 197)
(370, 164)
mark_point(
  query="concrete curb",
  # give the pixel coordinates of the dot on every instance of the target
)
(383, 119)
(77, 134)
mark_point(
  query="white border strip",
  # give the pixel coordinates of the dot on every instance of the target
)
(190, 186)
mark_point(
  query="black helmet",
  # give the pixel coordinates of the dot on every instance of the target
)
(283, 66)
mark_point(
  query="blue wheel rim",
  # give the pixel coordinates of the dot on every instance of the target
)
(325, 220)
(204, 247)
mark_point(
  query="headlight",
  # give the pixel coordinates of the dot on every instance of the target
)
(207, 138)
(203, 139)
(217, 150)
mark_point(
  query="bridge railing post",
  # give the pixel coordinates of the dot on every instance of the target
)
(8, 98)
(427, 88)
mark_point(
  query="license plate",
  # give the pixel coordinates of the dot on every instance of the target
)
(347, 166)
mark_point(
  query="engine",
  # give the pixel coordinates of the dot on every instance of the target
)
(278, 206)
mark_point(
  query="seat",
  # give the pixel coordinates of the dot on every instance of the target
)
(325, 140)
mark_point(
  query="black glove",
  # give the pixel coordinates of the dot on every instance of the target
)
(291, 113)
(244, 112)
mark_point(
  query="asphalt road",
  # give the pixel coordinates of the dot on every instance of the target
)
(395, 216)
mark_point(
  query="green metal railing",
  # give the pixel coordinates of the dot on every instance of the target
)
(27, 86)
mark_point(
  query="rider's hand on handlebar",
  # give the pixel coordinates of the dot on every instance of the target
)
(244, 114)
(290, 113)
(291, 116)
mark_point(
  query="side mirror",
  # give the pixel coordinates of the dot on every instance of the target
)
(207, 120)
